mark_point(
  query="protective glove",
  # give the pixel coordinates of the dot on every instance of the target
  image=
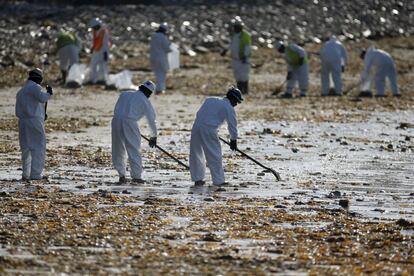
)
(343, 68)
(152, 142)
(49, 90)
(233, 144)
(289, 75)
(105, 56)
(223, 53)
(244, 60)
(301, 60)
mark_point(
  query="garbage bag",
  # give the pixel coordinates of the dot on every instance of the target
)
(174, 57)
(121, 80)
(77, 75)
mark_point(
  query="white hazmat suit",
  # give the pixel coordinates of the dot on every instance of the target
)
(333, 59)
(299, 72)
(30, 110)
(101, 44)
(68, 55)
(241, 70)
(381, 63)
(159, 49)
(205, 144)
(126, 137)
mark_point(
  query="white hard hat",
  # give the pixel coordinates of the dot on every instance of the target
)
(237, 21)
(164, 26)
(279, 44)
(149, 85)
(95, 22)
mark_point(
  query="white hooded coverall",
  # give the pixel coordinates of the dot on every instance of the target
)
(384, 67)
(126, 137)
(159, 49)
(99, 67)
(333, 57)
(241, 70)
(205, 141)
(68, 55)
(30, 110)
(299, 73)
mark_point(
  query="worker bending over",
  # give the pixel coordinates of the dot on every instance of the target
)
(126, 137)
(205, 144)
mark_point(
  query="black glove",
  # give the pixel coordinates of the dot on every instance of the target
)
(343, 68)
(223, 53)
(233, 144)
(244, 60)
(152, 142)
(301, 60)
(289, 75)
(49, 90)
(45, 117)
(105, 56)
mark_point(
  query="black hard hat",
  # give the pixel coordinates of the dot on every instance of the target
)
(36, 73)
(235, 93)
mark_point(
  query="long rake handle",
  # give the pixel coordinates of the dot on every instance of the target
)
(167, 153)
(249, 157)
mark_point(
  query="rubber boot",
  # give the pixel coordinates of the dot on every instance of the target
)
(246, 88)
(240, 86)
(64, 75)
(243, 86)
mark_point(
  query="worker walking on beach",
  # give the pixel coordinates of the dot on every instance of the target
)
(240, 48)
(379, 63)
(205, 144)
(333, 61)
(126, 137)
(30, 109)
(159, 49)
(298, 69)
(101, 45)
(68, 46)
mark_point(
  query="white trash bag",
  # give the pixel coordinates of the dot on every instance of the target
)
(174, 57)
(121, 80)
(77, 75)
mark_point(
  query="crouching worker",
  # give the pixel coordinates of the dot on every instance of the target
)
(126, 137)
(379, 63)
(204, 136)
(30, 109)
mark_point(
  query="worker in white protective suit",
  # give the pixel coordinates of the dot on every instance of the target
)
(101, 45)
(68, 46)
(126, 137)
(298, 69)
(333, 61)
(379, 63)
(240, 48)
(205, 144)
(159, 49)
(30, 109)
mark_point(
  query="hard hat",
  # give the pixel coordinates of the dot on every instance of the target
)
(148, 85)
(164, 26)
(36, 73)
(235, 93)
(237, 21)
(95, 22)
(279, 44)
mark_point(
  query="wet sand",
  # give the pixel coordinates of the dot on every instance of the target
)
(344, 205)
